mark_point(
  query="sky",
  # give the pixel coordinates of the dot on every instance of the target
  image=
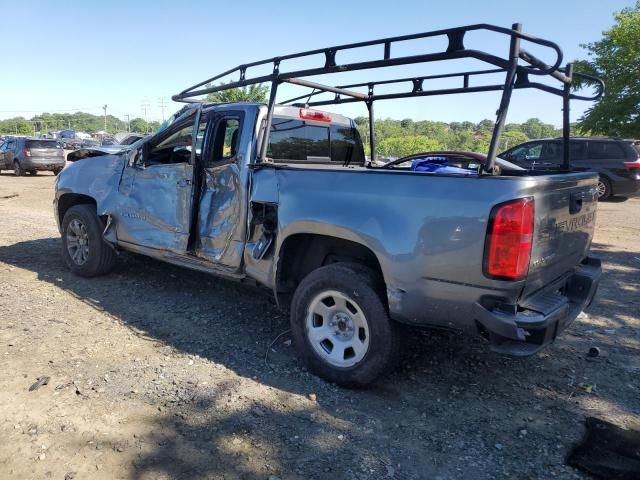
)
(78, 56)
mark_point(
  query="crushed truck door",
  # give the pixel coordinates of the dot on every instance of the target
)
(156, 191)
(221, 209)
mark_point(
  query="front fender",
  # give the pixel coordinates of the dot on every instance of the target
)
(97, 177)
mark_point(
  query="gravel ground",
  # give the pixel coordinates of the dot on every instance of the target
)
(161, 372)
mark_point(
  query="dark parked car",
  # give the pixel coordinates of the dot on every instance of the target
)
(68, 139)
(31, 155)
(616, 161)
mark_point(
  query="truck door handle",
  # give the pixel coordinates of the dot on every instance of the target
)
(575, 202)
(184, 182)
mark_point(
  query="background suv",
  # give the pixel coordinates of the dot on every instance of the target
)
(616, 161)
(31, 155)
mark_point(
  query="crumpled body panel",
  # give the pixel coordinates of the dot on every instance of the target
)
(154, 206)
(219, 215)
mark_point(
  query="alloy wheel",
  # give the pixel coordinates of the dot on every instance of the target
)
(77, 242)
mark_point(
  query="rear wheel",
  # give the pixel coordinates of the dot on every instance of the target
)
(57, 171)
(17, 169)
(85, 252)
(341, 327)
(603, 188)
(33, 172)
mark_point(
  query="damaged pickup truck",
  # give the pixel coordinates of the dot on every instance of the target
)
(282, 195)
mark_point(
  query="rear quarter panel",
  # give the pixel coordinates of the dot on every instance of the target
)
(427, 232)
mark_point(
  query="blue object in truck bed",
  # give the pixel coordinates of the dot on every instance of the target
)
(438, 165)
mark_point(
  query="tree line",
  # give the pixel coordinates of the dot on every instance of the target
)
(397, 138)
(79, 121)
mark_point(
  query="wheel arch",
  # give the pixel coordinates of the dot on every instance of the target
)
(301, 253)
(68, 200)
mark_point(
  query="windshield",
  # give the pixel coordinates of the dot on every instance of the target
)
(185, 111)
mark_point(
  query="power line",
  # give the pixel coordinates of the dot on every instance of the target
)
(145, 106)
(55, 110)
(162, 106)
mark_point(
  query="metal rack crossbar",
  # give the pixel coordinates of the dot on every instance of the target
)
(517, 76)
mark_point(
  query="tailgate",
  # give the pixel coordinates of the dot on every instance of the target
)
(565, 211)
(47, 152)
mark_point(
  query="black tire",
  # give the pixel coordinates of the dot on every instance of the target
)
(56, 172)
(100, 257)
(604, 188)
(384, 336)
(17, 169)
(33, 172)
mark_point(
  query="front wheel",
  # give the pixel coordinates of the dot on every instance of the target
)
(341, 327)
(85, 252)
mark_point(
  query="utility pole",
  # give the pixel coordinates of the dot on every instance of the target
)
(128, 123)
(145, 107)
(162, 106)
(105, 117)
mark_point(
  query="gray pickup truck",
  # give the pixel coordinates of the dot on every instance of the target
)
(452, 239)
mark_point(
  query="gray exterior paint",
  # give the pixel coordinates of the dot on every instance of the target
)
(426, 231)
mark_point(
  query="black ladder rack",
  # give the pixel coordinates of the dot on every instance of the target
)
(517, 76)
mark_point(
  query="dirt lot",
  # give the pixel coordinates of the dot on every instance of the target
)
(160, 372)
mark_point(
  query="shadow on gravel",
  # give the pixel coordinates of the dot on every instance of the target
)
(452, 395)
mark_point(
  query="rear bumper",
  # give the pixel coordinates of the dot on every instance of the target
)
(626, 187)
(44, 163)
(538, 319)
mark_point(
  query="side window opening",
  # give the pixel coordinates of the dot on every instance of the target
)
(577, 150)
(526, 153)
(225, 142)
(605, 150)
(551, 152)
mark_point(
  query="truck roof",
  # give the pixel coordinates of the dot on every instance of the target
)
(289, 111)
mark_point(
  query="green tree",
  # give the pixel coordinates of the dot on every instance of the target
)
(251, 93)
(403, 146)
(534, 128)
(511, 138)
(616, 59)
(138, 125)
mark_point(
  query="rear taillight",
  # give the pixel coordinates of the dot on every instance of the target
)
(632, 165)
(27, 152)
(314, 115)
(509, 240)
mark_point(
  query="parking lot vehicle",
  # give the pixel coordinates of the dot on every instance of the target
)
(22, 155)
(281, 195)
(68, 139)
(616, 161)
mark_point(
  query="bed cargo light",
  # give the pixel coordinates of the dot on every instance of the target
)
(509, 240)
